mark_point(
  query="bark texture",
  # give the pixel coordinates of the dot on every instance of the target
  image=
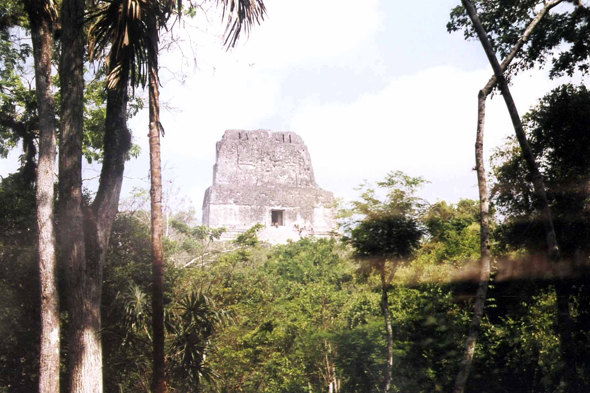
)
(85, 356)
(485, 259)
(41, 17)
(85, 230)
(484, 276)
(159, 375)
(564, 324)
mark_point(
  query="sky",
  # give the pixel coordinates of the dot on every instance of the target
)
(371, 87)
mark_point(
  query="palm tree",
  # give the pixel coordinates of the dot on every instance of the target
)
(193, 320)
(132, 28)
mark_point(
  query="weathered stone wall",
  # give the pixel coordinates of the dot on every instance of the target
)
(257, 172)
(261, 157)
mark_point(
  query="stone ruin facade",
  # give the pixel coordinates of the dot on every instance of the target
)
(266, 177)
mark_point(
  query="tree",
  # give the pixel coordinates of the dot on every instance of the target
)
(386, 231)
(483, 190)
(42, 15)
(560, 35)
(85, 350)
(194, 320)
(510, 54)
(452, 229)
(553, 250)
(246, 13)
(38, 119)
(18, 114)
(249, 238)
(557, 128)
(85, 229)
(147, 17)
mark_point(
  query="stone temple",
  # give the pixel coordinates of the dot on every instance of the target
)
(266, 177)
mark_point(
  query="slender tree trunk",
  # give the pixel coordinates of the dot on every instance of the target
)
(385, 310)
(159, 375)
(330, 376)
(485, 260)
(484, 277)
(564, 324)
(41, 24)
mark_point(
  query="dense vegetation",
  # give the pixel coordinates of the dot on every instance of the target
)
(394, 301)
(300, 317)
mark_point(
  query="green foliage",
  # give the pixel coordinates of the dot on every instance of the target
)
(520, 349)
(557, 129)
(18, 103)
(187, 244)
(443, 219)
(399, 200)
(453, 232)
(283, 306)
(19, 287)
(392, 237)
(191, 317)
(126, 306)
(199, 232)
(560, 38)
(381, 229)
(192, 322)
(94, 117)
(95, 96)
(121, 28)
(250, 237)
(290, 318)
(298, 310)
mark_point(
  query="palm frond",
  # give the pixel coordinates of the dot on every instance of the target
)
(119, 27)
(241, 15)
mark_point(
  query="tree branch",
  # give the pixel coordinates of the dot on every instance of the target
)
(17, 126)
(519, 44)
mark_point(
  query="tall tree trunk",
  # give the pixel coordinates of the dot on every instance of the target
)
(385, 310)
(41, 18)
(85, 354)
(484, 276)
(85, 230)
(564, 324)
(101, 214)
(485, 258)
(159, 375)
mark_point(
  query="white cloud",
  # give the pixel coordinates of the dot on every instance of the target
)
(423, 124)
(310, 32)
(211, 90)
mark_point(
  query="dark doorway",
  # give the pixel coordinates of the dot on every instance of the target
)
(277, 217)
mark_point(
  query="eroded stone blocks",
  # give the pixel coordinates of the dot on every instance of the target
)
(266, 177)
